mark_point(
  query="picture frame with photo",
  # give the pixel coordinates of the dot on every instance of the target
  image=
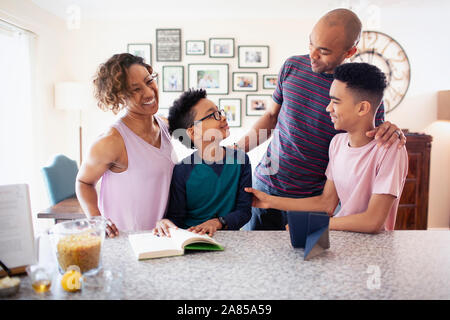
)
(253, 56)
(143, 50)
(213, 77)
(233, 110)
(195, 47)
(270, 81)
(245, 81)
(221, 47)
(173, 78)
(257, 104)
(168, 45)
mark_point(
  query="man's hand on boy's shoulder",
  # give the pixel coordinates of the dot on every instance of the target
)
(210, 227)
(386, 134)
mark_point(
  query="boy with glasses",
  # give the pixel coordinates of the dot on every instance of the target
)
(207, 188)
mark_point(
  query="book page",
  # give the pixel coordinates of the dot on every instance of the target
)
(16, 227)
(146, 245)
(183, 237)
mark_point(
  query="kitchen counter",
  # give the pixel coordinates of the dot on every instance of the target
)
(264, 265)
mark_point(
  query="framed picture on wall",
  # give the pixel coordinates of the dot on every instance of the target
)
(270, 81)
(245, 81)
(168, 45)
(221, 47)
(232, 108)
(195, 47)
(257, 104)
(173, 78)
(143, 50)
(210, 76)
(253, 56)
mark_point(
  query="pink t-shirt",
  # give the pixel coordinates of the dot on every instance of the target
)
(137, 198)
(358, 173)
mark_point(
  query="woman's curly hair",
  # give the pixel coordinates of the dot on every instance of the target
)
(110, 82)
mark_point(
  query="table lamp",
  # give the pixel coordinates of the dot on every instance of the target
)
(444, 105)
(72, 96)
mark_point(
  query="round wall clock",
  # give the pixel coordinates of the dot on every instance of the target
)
(379, 49)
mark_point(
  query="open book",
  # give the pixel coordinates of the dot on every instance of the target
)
(147, 245)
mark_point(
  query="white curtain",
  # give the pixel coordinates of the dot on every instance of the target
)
(16, 98)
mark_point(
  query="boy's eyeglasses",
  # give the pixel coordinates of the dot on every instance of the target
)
(216, 114)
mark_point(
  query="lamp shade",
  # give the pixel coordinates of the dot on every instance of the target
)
(444, 105)
(71, 95)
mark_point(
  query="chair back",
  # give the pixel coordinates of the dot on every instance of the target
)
(60, 177)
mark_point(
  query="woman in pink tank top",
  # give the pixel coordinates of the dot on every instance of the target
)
(134, 157)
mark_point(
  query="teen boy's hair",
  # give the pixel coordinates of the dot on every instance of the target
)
(365, 80)
(181, 115)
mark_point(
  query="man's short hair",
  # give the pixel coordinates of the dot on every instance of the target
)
(365, 80)
(181, 115)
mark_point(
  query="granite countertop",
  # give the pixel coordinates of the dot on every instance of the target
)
(263, 265)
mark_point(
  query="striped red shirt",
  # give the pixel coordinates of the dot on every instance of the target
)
(297, 157)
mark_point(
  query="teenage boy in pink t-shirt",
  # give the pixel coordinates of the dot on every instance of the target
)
(367, 179)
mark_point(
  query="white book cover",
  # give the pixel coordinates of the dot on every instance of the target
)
(17, 247)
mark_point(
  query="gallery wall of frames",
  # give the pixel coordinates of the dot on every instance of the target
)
(244, 90)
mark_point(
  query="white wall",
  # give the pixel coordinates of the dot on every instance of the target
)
(75, 55)
(115, 37)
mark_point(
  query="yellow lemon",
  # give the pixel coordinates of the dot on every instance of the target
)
(71, 281)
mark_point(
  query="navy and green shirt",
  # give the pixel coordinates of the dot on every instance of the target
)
(202, 190)
(297, 157)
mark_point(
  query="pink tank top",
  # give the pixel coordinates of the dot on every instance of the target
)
(137, 198)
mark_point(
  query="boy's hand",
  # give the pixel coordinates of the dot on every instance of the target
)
(386, 134)
(162, 227)
(209, 227)
(260, 199)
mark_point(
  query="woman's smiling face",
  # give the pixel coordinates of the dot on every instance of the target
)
(143, 91)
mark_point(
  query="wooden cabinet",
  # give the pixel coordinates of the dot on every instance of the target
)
(412, 211)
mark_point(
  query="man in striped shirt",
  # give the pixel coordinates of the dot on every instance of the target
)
(301, 129)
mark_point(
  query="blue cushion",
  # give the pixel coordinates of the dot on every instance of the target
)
(60, 178)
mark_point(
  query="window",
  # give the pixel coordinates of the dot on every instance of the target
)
(16, 125)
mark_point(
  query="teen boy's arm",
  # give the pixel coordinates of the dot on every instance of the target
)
(370, 221)
(326, 202)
